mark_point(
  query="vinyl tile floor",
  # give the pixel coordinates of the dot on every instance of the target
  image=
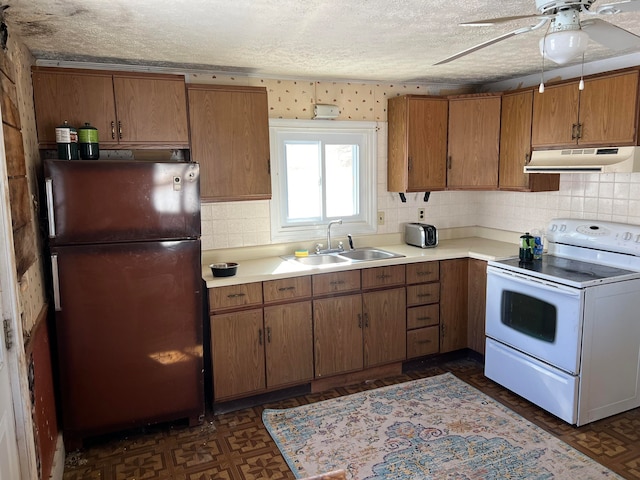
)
(236, 446)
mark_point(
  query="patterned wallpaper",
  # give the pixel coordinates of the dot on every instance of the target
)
(613, 197)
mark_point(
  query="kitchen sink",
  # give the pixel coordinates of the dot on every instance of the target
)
(348, 256)
(364, 254)
(326, 259)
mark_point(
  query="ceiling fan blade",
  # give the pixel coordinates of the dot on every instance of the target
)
(493, 21)
(486, 44)
(610, 35)
(620, 7)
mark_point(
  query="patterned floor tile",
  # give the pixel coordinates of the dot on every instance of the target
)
(236, 446)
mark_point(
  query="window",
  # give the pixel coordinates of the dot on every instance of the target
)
(322, 170)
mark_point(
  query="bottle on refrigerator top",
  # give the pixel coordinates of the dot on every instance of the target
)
(67, 140)
(88, 142)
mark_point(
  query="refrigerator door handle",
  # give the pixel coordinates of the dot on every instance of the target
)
(48, 183)
(56, 282)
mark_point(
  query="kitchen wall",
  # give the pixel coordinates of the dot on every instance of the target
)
(32, 291)
(611, 197)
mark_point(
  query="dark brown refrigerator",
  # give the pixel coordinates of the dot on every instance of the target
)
(124, 240)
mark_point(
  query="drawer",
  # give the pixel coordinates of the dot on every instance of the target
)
(326, 283)
(423, 294)
(424, 316)
(234, 296)
(286, 289)
(383, 276)
(423, 272)
(423, 341)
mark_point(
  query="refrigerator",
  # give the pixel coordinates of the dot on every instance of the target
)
(124, 239)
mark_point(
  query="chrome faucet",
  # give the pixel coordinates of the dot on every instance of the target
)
(329, 249)
(329, 232)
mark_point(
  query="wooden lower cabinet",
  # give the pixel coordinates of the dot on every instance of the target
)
(359, 331)
(423, 341)
(289, 344)
(477, 304)
(337, 334)
(384, 326)
(251, 354)
(237, 354)
(453, 304)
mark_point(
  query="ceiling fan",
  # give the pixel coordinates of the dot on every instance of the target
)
(567, 34)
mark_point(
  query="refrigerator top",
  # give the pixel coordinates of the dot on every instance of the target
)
(105, 201)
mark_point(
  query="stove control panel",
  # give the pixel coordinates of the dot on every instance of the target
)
(595, 234)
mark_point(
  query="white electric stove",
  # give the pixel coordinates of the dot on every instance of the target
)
(564, 331)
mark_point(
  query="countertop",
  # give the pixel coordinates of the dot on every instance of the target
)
(275, 267)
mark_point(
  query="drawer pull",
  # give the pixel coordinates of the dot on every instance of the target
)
(284, 289)
(383, 276)
(236, 295)
(423, 319)
(422, 342)
(359, 320)
(337, 282)
(421, 274)
(420, 295)
(268, 334)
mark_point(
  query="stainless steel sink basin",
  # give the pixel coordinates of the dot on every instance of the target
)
(364, 254)
(327, 259)
(349, 256)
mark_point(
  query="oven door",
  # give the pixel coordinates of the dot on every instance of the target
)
(542, 319)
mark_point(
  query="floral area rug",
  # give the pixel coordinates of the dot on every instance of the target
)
(433, 428)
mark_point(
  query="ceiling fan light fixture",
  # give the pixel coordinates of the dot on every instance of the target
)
(563, 46)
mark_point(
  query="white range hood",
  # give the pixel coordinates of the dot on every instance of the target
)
(587, 160)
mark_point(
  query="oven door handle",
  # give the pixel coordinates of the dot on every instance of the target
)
(527, 281)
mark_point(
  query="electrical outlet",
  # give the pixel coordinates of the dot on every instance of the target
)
(381, 218)
(421, 214)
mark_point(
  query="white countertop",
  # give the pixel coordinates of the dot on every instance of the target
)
(275, 267)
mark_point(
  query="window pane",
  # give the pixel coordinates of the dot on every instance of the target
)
(341, 180)
(304, 189)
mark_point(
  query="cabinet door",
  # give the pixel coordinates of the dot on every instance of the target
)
(151, 110)
(474, 143)
(515, 147)
(453, 304)
(230, 140)
(76, 97)
(555, 116)
(477, 304)
(337, 333)
(289, 344)
(237, 354)
(417, 144)
(385, 327)
(608, 108)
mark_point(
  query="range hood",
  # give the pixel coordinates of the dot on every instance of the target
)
(587, 160)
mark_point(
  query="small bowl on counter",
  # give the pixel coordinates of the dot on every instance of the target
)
(224, 269)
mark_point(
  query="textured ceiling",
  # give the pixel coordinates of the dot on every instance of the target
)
(371, 40)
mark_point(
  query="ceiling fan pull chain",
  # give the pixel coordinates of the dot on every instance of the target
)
(581, 84)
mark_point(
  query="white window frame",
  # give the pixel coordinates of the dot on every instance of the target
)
(281, 130)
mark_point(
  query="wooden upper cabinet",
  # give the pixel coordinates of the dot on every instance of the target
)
(77, 98)
(151, 110)
(604, 113)
(417, 143)
(230, 141)
(515, 147)
(129, 110)
(474, 142)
